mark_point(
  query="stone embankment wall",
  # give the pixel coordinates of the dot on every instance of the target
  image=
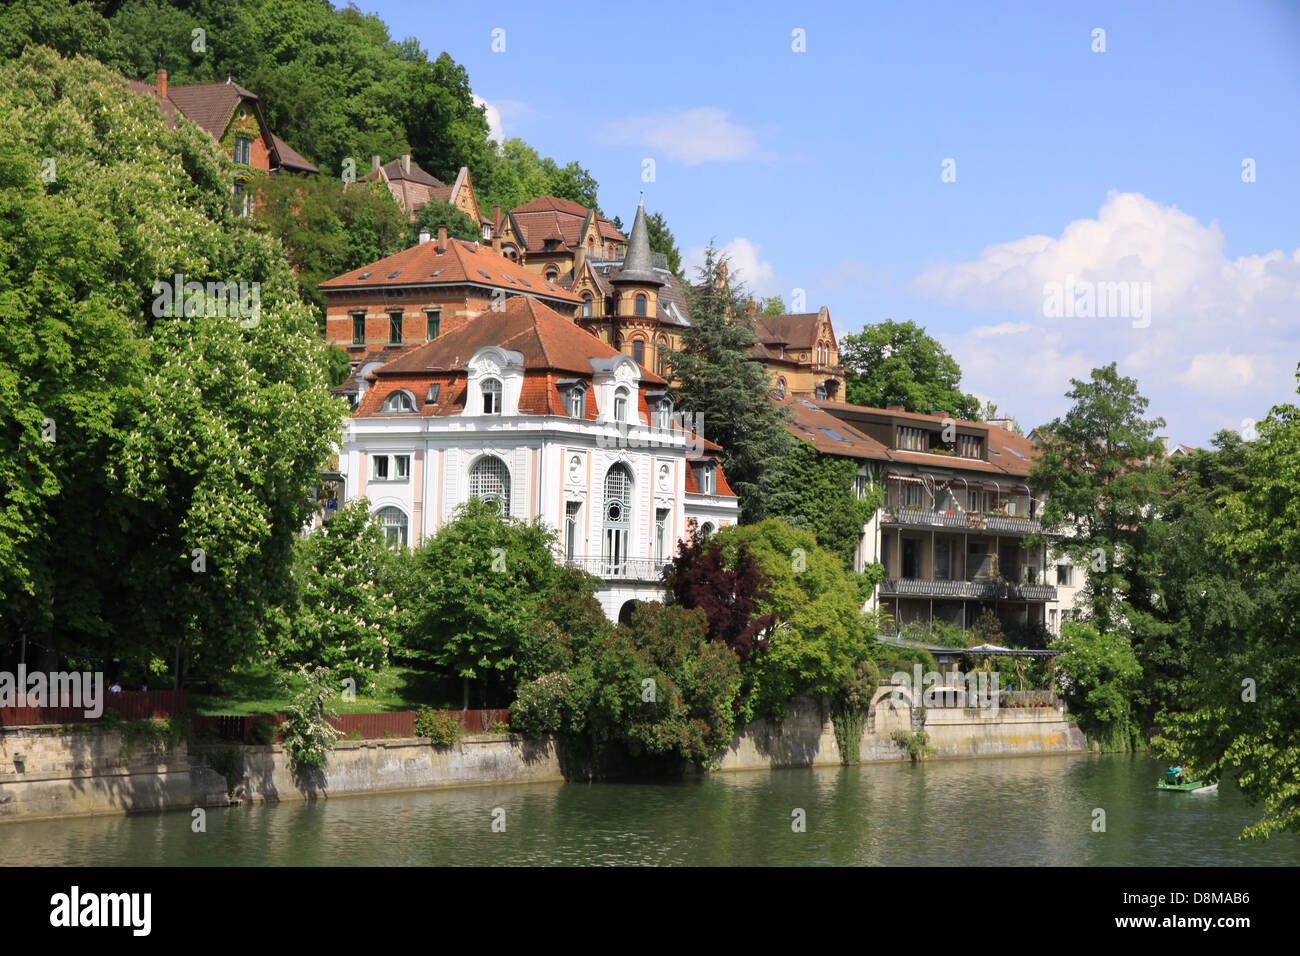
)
(78, 770)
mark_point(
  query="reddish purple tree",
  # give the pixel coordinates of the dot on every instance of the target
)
(728, 594)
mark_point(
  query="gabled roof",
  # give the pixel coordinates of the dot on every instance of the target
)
(394, 173)
(210, 107)
(546, 339)
(560, 220)
(797, 330)
(461, 262)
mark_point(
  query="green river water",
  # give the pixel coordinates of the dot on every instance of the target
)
(1012, 811)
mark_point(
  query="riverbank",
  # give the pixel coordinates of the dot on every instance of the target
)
(79, 770)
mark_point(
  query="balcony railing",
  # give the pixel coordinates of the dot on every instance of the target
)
(963, 520)
(977, 590)
(622, 569)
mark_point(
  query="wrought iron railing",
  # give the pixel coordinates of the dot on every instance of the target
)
(622, 569)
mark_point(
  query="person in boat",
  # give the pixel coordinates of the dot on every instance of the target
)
(1177, 774)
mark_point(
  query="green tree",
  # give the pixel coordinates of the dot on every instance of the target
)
(479, 583)
(342, 618)
(772, 305)
(327, 229)
(155, 517)
(721, 384)
(819, 630)
(1099, 674)
(661, 240)
(434, 214)
(896, 364)
(1239, 709)
(1095, 471)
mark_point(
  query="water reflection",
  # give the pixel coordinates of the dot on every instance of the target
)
(990, 812)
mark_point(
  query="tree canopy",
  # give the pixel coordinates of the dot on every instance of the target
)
(896, 364)
(729, 391)
(156, 452)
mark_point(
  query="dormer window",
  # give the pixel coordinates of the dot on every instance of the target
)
(575, 401)
(620, 404)
(399, 403)
(487, 232)
(491, 397)
(664, 413)
(586, 304)
(706, 477)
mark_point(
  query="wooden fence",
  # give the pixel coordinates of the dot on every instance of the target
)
(128, 705)
(366, 726)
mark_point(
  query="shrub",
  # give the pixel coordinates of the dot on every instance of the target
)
(442, 727)
(538, 706)
(307, 734)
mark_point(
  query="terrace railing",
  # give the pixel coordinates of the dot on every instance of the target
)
(622, 569)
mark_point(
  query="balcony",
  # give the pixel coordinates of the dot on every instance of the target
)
(959, 520)
(624, 569)
(981, 590)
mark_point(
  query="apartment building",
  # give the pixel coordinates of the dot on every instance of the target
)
(958, 510)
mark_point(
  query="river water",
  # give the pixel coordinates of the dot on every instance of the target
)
(1012, 811)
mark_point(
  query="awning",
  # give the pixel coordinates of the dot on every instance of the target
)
(911, 478)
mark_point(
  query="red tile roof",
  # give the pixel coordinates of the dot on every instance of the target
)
(546, 339)
(461, 262)
(557, 219)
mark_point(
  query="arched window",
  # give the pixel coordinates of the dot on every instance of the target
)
(617, 520)
(552, 273)
(640, 303)
(399, 403)
(620, 404)
(491, 396)
(638, 352)
(394, 525)
(780, 387)
(489, 480)
(706, 530)
(586, 303)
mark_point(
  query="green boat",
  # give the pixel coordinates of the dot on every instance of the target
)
(1176, 779)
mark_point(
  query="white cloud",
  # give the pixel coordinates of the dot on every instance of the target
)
(700, 135)
(496, 132)
(1002, 328)
(746, 265)
(1215, 324)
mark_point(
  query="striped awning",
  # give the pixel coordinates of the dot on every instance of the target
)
(911, 478)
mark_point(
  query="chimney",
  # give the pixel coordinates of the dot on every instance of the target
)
(579, 257)
(1164, 443)
(442, 238)
(752, 308)
(374, 162)
(406, 164)
(160, 84)
(424, 234)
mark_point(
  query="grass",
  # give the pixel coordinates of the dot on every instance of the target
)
(253, 690)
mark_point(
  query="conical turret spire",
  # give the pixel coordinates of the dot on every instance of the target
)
(636, 264)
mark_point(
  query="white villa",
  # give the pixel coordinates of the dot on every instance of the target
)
(525, 408)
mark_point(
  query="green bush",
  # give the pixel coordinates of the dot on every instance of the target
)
(442, 727)
(538, 706)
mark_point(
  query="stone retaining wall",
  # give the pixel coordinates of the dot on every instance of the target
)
(77, 770)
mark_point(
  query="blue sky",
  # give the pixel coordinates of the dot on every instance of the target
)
(822, 170)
